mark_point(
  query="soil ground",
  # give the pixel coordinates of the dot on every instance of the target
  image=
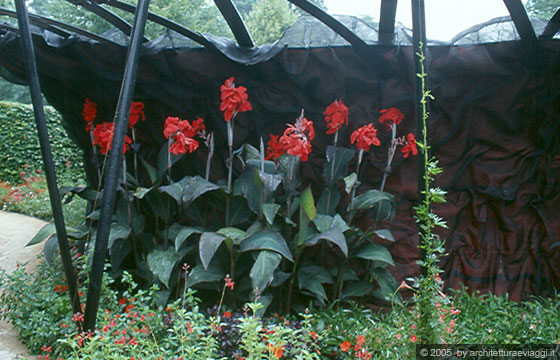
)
(15, 231)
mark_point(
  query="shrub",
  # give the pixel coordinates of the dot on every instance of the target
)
(20, 144)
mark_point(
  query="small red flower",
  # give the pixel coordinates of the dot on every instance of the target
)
(410, 147)
(78, 317)
(313, 335)
(398, 336)
(391, 116)
(89, 112)
(234, 99)
(122, 301)
(345, 345)
(413, 338)
(336, 115)
(103, 136)
(365, 137)
(230, 284)
(360, 341)
(227, 314)
(46, 349)
(136, 112)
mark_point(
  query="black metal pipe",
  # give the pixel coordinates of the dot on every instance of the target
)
(387, 22)
(114, 164)
(419, 45)
(48, 164)
(235, 22)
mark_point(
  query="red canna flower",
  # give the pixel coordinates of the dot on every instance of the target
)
(391, 116)
(182, 133)
(275, 149)
(410, 146)
(336, 115)
(345, 345)
(136, 112)
(103, 136)
(234, 99)
(297, 138)
(365, 137)
(227, 314)
(89, 112)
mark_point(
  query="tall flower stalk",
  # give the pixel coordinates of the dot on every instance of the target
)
(234, 100)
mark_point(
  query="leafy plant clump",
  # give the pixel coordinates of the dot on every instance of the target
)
(262, 225)
(133, 325)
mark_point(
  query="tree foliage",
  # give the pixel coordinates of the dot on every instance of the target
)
(268, 19)
(543, 9)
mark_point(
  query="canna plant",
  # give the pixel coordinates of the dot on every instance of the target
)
(263, 226)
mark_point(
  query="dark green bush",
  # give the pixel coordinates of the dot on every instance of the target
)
(19, 145)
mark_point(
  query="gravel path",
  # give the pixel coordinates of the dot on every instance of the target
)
(15, 231)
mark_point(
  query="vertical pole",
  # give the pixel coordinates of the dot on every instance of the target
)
(50, 173)
(114, 164)
(419, 40)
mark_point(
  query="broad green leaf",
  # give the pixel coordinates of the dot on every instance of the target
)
(324, 223)
(335, 236)
(234, 234)
(161, 263)
(336, 166)
(279, 278)
(349, 182)
(357, 289)
(252, 188)
(384, 234)
(269, 166)
(370, 198)
(118, 252)
(50, 247)
(195, 187)
(376, 253)
(386, 282)
(267, 240)
(270, 211)
(117, 232)
(199, 275)
(239, 211)
(141, 192)
(209, 243)
(308, 204)
(174, 190)
(184, 233)
(263, 269)
(152, 172)
(43, 234)
(289, 165)
(327, 205)
(310, 278)
(83, 192)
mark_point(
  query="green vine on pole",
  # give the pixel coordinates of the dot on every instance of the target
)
(435, 322)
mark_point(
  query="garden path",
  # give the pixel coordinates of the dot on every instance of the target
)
(15, 231)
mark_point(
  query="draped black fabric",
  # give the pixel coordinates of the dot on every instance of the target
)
(495, 128)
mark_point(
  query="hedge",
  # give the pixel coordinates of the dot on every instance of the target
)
(19, 144)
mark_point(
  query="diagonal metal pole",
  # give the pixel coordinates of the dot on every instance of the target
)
(50, 173)
(419, 40)
(114, 164)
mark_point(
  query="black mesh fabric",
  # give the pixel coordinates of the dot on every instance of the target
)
(495, 126)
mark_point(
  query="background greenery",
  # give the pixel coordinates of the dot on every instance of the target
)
(19, 147)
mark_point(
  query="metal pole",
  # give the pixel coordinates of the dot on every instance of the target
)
(419, 40)
(114, 164)
(50, 173)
